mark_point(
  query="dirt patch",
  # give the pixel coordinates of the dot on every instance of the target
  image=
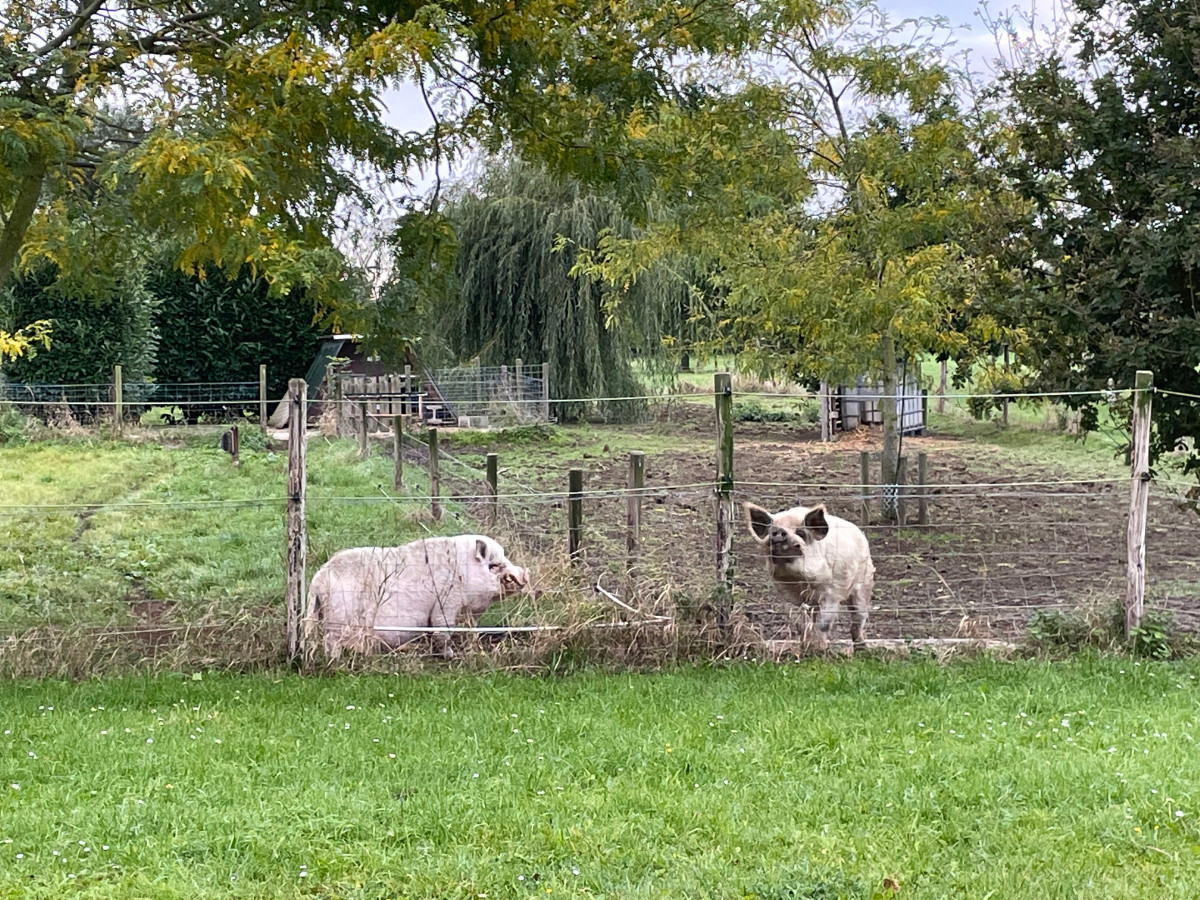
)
(1004, 538)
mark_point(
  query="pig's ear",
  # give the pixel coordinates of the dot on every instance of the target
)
(759, 521)
(816, 526)
(481, 550)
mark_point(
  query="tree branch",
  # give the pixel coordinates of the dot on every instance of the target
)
(24, 206)
(77, 25)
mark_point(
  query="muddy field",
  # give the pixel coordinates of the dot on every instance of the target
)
(1004, 538)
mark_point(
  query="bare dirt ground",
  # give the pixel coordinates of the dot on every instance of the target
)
(1006, 536)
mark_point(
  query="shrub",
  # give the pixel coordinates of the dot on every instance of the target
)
(221, 329)
(89, 334)
(15, 429)
(1155, 638)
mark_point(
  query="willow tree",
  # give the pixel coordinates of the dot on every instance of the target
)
(519, 231)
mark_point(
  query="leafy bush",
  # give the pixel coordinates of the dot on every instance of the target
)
(15, 428)
(220, 329)
(1155, 638)
(89, 334)
(1104, 627)
(807, 412)
(1056, 629)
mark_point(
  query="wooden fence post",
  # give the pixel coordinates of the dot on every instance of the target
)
(435, 479)
(364, 448)
(633, 515)
(545, 392)
(493, 477)
(826, 434)
(297, 543)
(338, 400)
(1004, 402)
(519, 389)
(574, 515)
(864, 465)
(398, 453)
(923, 491)
(118, 400)
(262, 397)
(723, 389)
(1139, 495)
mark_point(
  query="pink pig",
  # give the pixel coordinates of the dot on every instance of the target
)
(434, 582)
(817, 559)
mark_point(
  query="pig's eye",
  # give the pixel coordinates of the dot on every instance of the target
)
(496, 567)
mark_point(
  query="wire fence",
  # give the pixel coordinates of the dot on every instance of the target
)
(145, 403)
(1001, 544)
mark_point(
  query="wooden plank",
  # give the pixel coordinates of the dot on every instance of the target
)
(633, 518)
(923, 490)
(826, 431)
(493, 469)
(435, 481)
(364, 449)
(262, 397)
(398, 453)
(864, 466)
(118, 400)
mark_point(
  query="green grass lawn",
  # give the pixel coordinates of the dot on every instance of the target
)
(812, 780)
(88, 525)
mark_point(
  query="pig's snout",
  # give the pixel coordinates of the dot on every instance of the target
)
(515, 579)
(781, 541)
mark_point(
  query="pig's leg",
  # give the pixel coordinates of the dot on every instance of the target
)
(799, 619)
(827, 613)
(443, 616)
(860, 605)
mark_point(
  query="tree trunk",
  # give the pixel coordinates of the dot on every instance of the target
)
(888, 406)
(24, 206)
(941, 407)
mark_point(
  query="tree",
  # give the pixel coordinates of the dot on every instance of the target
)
(229, 129)
(1105, 128)
(238, 130)
(849, 257)
(513, 294)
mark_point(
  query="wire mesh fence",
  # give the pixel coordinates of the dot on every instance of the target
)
(461, 396)
(1003, 543)
(147, 403)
